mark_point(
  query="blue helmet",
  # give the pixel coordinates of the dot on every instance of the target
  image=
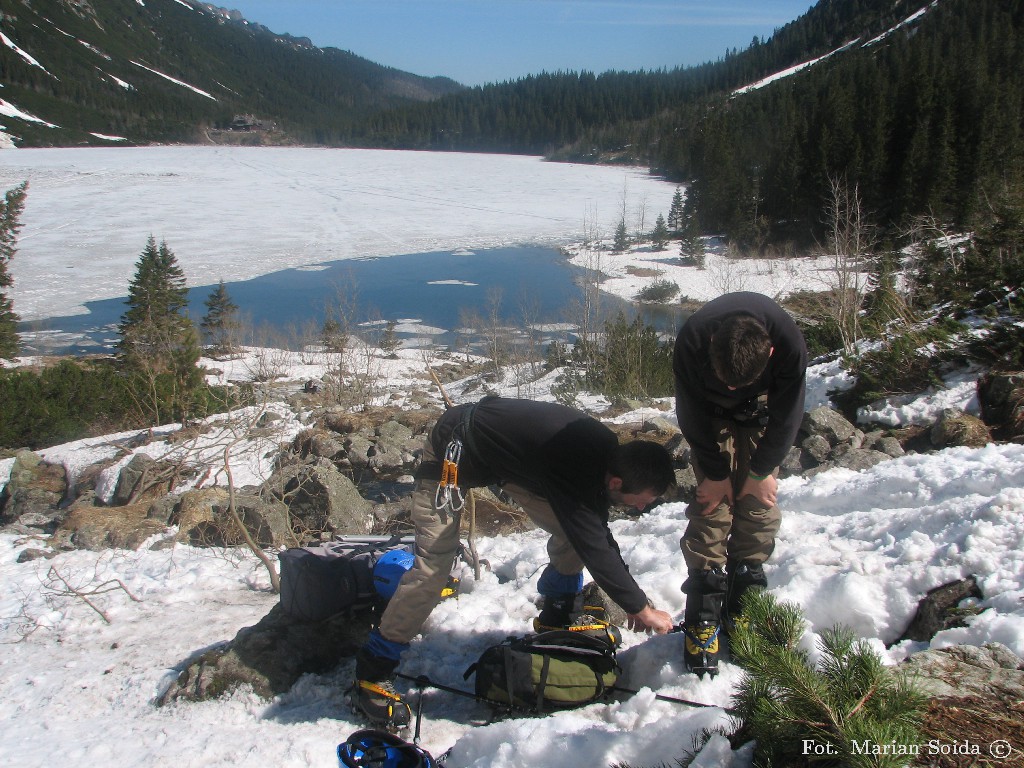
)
(389, 570)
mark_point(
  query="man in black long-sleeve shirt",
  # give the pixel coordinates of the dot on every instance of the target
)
(740, 364)
(565, 470)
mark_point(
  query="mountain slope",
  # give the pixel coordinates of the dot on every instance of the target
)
(169, 70)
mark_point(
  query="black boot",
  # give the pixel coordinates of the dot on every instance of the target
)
(702, 621)
(742, 577)
(374, 695)
(558, 612)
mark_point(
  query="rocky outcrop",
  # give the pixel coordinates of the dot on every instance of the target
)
(1002, 404)
(270, 656)
(31, 499)
(991, 671)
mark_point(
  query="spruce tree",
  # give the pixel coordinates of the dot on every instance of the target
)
(659, 237)
(675, 211)
(159, 344)
(621, 242)
(691, 246)
(11, 208)
(221, 319)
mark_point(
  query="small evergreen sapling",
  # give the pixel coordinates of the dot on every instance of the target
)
(220, 322)
(848, 710)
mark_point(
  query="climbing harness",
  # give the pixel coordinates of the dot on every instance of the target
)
(448, 494)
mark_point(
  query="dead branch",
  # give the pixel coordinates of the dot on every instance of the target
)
(110, 585)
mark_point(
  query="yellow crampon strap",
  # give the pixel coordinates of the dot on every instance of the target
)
(448, 493)
(367, 685)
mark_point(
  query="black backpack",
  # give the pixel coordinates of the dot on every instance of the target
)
(558, 669)
(320, 581)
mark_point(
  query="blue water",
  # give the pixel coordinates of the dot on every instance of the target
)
(435, 289)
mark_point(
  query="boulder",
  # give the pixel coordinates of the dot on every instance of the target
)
(992, 672)
(828, 423)
(33, 494)
(956, 428)
(857, 459)
(939, 609)
(142, 478)
(1002, 403)
(321, 499)
(270, 656)
(99, 528)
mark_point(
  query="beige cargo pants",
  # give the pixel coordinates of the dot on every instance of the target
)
(745, 532)
(437, 541)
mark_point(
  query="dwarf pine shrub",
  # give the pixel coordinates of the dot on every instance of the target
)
(847, 710)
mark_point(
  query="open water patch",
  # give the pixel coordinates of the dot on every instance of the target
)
(427, 294)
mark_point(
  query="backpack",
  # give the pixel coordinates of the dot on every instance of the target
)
(352, 573)
(558, 669)
(381, 749)
(320, 581)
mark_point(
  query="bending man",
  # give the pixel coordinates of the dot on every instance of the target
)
(564, 469)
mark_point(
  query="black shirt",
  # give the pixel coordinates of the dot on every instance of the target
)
(699, 393)
(557, 453)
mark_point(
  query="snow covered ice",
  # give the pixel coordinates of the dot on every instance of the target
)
(859, 548)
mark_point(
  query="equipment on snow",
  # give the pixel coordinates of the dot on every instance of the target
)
(704, 644)
(741, 577)
(349, 573)
(379, 749)
(560, 669)
(380, 703)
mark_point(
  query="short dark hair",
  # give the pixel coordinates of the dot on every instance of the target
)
(740, 349)
(642, 465)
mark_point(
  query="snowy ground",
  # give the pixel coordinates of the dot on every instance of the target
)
(856, 548)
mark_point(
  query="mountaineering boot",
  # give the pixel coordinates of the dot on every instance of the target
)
(557, 612)
(742, 577)
(563, 600)
(374, 695)
(702, 621)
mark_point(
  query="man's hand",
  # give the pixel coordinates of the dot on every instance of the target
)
(650, 619)
(765, 491)
(711, 493)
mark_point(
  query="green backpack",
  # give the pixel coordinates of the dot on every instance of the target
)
(558, 669)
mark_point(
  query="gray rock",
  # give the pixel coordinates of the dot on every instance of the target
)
(320, 498)
(890, 446)
(33, 495)
(858, 459)
(270, 656)
(817, 447)
(992, 672)
(359, 448)
(394, 432)
(132, 477)
(830, 424)
(793, 464)
(955, 428)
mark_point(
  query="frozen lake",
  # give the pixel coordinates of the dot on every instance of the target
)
(241, 213)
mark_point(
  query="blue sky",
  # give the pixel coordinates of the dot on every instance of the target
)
(482, 41)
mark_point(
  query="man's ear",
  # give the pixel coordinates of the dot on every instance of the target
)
(614, 483)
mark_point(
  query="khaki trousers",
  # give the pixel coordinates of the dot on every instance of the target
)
(437, 541)
(747, 531)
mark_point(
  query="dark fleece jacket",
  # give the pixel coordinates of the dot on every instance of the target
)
(700, 395)
(557, 453)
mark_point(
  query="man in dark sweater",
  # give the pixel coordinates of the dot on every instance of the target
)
(565, 470)
(739, 364)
